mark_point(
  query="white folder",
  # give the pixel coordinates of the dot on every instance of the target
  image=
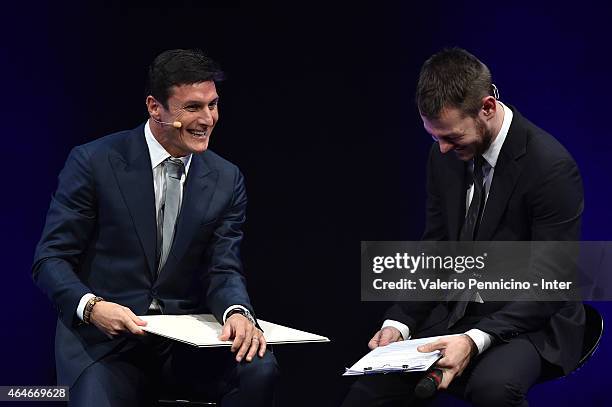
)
(203, 330)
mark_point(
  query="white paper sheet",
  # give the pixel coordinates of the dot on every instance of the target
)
(400, 356)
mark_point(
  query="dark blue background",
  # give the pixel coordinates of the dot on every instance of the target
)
(318, 112)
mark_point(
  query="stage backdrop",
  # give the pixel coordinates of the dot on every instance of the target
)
(318, 112)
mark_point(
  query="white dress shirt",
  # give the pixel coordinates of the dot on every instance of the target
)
(482, 339)
(158, 155)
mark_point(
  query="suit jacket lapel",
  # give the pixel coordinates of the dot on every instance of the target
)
(197, 195)
(455, 196)
(505, 177)
(134, 176)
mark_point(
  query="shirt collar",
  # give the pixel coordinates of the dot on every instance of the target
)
(494, 149)
(158, 153)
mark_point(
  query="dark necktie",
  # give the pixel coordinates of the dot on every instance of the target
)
(170, 206)
(472, 219)
(469, 232)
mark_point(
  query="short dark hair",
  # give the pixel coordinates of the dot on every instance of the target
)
(177, 67)
(452, 78)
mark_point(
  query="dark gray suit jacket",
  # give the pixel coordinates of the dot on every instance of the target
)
(536, 195)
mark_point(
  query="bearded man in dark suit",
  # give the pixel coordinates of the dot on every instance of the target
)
(492, 176)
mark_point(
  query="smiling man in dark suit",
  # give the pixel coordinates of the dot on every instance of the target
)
(492, 176)
(148, 221)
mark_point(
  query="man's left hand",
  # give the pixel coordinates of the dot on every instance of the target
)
(247, 338)
(457, 352)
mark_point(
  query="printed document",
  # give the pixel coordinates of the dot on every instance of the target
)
(400, 356)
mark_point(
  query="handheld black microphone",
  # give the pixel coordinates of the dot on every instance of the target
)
(176, 124)
(428, 385)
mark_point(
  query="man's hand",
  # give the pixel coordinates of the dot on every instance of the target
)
(384, 337)
(457, 352)
(114, 319)
(246, 337)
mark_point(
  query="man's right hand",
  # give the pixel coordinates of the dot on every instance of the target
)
(384, 337)
(114, 319)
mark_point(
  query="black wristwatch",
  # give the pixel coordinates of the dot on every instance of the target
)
(241, 311)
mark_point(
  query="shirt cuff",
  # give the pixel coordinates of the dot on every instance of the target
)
(232, 307)
(81, 308)
(482, 339)
(404, 330)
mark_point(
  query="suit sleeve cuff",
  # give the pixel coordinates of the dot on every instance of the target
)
(404, 330)
(81, 307)
(482, 339)
(232, 307)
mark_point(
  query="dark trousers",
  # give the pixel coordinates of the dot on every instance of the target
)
(500, 376)
(142, 371)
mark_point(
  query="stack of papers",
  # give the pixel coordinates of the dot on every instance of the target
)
(203, 330)
(400, 356)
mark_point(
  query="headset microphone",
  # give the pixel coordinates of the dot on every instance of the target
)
(495, 91)
(176, 124)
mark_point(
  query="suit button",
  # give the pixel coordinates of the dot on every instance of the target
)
(154, 292)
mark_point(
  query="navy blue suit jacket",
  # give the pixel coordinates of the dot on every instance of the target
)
(100, 236)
